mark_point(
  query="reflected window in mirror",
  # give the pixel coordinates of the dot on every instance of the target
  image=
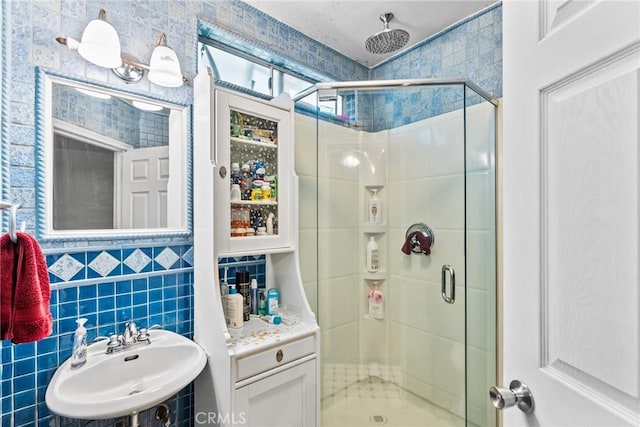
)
(115, 165)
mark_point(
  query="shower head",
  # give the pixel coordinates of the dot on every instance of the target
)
(387, 40)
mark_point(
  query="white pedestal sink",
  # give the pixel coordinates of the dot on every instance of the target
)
(128, 381)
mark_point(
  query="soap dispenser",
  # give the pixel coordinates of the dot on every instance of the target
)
(376, 302)
(79, 353)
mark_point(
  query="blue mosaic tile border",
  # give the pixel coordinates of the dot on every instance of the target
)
(94, 264)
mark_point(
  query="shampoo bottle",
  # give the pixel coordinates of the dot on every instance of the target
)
(375, 208)
(79, 353)
(372, 255)
(234, 308)
(376, 302)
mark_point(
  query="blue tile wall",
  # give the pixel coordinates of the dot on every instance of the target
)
(255, 265)
(471, 49)
(154, 130)
(157, 288)
(151, 280)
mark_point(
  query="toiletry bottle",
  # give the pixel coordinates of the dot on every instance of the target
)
(235, 192)
(372, 255)
(234, 308)
(375, 208)
(262, 303)
(270, 223)
(224, 292)
(376, 302)
(254, 296)
(243, 285)
(235, 173)
(272, 318)
(79, 353)
(273, 301)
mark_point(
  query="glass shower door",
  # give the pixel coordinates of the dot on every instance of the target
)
(395, 342)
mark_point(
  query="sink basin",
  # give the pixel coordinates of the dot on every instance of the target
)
(125, 382)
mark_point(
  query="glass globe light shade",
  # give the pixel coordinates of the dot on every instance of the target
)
(164, 67)
(100, 44)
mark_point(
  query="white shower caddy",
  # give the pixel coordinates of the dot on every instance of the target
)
(265, 374)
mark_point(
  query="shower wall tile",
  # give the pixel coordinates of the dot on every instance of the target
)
(479, 307)
(308, 247)
(308, 202)
(338, 263)
(418, 360)
(306, 153)
(340, 345)
(481, 249)
(337, 299)
(339, 208)
(374, 343)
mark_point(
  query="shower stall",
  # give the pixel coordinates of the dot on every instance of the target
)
(422, 349)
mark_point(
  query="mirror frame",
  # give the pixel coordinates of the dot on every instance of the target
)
(44, 162)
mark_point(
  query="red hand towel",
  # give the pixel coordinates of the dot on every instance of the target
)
(425, 244)
(25, 314)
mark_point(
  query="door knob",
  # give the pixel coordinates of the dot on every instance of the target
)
(517, 394)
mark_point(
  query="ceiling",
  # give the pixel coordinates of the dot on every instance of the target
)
(345, 25)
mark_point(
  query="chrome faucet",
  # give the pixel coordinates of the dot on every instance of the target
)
(130, 337)
(131, 333)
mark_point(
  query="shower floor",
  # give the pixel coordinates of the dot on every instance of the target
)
(369, 395)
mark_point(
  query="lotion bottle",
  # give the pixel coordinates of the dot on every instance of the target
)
(373, 256)
(375, 208)
(79, 353)
(376, 302)
(235, 307)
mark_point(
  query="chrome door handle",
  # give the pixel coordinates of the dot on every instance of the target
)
(451, 296)
(517, 394)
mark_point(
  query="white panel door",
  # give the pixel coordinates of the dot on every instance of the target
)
(571, 210)
(145, 173)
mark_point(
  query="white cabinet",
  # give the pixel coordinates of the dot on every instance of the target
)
(283, 399)
(253, 149)
(264, 374)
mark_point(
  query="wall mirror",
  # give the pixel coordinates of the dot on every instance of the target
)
(111, 164)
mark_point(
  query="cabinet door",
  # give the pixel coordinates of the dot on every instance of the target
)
(253, 148)
(285, 399)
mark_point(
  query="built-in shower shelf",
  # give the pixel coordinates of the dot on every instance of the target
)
(372, 319)
(374, 228)
(379, 275)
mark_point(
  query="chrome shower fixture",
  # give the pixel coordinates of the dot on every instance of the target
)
(387, 40)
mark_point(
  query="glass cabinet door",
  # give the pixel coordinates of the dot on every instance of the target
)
(253, 139)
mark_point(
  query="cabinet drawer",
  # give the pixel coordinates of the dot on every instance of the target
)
(273, 357)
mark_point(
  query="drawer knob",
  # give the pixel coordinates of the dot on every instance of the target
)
(279, 356)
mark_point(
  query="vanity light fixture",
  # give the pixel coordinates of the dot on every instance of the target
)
(100, 45)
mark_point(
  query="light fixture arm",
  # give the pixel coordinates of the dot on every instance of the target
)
(161, 40)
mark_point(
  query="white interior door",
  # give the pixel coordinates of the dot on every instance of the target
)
(571, 214)
(144, 187)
